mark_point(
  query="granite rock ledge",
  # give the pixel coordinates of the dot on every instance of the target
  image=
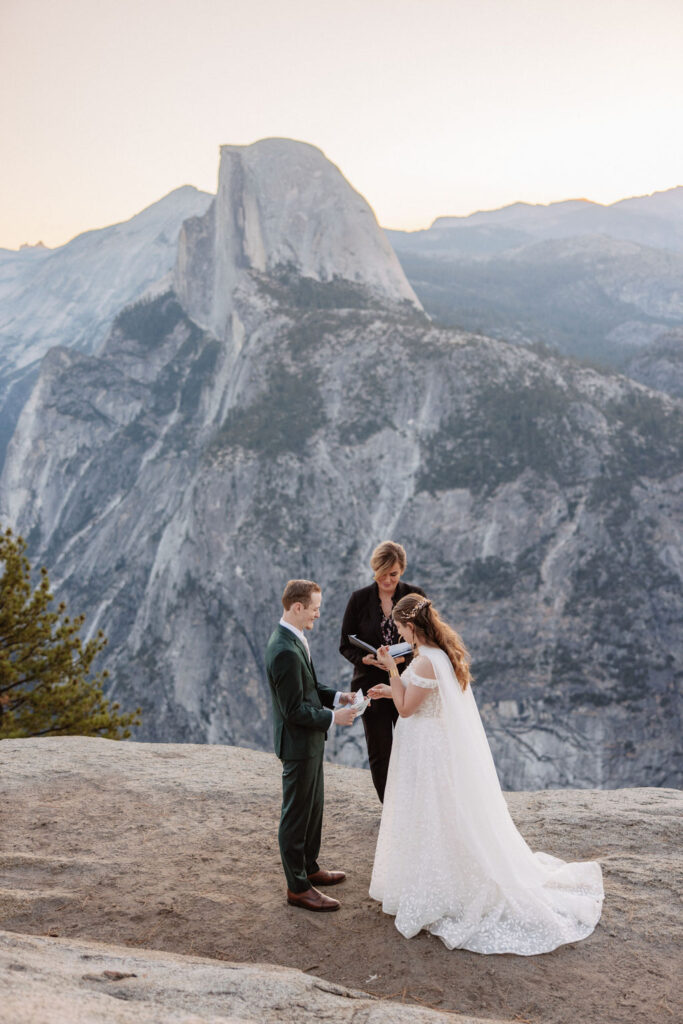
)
(165, 855)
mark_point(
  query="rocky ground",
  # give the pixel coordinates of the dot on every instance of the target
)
(173, 848)
(59, 981)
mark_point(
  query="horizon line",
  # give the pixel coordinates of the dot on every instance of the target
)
(23, 246)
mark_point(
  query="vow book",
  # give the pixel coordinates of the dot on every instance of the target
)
(396, 650)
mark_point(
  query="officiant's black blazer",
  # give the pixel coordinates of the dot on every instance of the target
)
(363, 617)
(300, 718)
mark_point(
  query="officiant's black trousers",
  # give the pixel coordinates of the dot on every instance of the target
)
(378, 721)
(301, 820)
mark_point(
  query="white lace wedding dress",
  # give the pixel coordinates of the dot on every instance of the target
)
(449, 858)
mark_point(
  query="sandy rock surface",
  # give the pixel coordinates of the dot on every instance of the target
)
(173, 848)
(60, 981)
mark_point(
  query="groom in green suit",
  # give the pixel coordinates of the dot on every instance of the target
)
(303, 713)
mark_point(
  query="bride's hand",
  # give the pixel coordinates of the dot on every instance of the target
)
(381, 690)
(384, 659)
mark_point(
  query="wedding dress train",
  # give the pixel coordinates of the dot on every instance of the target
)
(449, 858)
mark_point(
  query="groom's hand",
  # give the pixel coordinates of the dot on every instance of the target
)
(347, 698)
(344, 716)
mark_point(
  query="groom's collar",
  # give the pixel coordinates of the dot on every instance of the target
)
(297, 632)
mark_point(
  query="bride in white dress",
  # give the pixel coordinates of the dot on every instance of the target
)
(449, 858)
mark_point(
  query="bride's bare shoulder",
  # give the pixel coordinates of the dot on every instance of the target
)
(423, 667)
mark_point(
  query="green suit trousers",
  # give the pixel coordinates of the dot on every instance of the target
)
(301, 820)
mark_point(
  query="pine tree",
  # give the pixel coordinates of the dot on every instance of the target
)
(45, 689)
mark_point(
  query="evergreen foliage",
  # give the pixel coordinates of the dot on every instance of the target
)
(149, 321)
(45, 686)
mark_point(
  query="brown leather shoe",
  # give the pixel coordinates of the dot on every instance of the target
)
(327, 877)
(312, 900)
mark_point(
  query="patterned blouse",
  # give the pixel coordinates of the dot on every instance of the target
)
(387, 628)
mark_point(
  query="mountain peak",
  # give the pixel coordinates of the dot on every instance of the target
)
(281, 203)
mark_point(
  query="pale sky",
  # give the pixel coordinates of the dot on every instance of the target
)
(429, 107)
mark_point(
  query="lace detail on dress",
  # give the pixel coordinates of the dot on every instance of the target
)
(431, 705)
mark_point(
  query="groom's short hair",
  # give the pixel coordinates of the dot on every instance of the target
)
(299, 590)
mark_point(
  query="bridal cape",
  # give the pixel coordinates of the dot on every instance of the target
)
(449, 858)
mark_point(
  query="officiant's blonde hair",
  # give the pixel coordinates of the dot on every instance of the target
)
(418, 611)
(385, 555)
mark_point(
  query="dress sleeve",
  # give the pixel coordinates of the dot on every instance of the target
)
(426, 684)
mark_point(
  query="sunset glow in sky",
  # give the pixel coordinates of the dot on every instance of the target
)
(429, 107)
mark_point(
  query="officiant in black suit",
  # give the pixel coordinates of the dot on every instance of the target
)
(368, 616)
(303, 713)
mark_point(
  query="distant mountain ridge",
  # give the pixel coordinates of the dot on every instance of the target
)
(70, 295)
(655, 220)
(603, 283)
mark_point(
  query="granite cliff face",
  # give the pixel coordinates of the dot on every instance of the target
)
(281, 421)
(660, 365)
(281, 205)
(70, 295)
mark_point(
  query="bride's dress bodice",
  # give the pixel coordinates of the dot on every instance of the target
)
(431, 706)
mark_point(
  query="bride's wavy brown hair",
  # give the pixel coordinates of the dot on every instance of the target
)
(419, 612)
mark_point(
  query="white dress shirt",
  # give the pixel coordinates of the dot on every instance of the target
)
(300, 634)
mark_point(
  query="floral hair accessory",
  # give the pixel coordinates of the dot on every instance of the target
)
(418, 608)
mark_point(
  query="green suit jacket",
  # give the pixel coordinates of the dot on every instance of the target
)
(300, 718)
